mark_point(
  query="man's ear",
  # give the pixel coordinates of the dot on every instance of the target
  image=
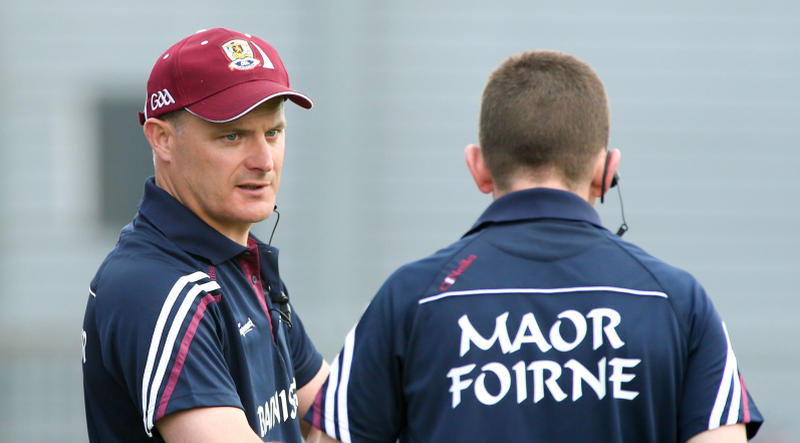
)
(161, 136)
(607, 161)
(477, 167)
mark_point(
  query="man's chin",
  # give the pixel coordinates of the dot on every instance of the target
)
(253, 211)
(261, 215)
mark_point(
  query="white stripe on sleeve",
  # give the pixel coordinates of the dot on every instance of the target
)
(729, 378)
(330, 395)
(347, 359)
(169, 344)
(155, 341)
(736, 397)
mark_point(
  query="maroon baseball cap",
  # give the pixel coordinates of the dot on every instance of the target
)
(218, 75)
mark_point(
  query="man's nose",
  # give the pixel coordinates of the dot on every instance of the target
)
(260, 156)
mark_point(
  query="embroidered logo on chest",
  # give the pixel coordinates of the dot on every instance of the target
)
(247, 327)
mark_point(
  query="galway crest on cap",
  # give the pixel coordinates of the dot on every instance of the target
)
(240, 54)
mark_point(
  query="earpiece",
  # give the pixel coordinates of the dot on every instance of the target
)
(614, 182)
(274, 227)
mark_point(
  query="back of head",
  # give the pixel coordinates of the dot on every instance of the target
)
(543, 112)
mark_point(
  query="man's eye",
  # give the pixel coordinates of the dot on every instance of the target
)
(272, 133)
(232, 137)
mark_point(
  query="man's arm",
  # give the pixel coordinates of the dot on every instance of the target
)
(723, 434)
(307, 393)
(317, 436)
(226, 424)
(207, 425)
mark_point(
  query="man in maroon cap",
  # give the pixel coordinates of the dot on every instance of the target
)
(188, 333)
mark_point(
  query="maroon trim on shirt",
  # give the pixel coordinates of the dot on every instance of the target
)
(183, 351)
(251, 266)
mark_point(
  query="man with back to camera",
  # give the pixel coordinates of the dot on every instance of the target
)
(188, 334)
(539, 324)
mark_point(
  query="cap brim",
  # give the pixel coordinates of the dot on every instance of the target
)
(238, 100)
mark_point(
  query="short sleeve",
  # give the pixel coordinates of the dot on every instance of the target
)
(714, 392)
(305, 357)
(362, 398)
(163, 339)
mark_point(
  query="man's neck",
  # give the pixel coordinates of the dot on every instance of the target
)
(237, 232)
(550, 183)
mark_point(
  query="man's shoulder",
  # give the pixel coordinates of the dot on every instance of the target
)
(426, 276)
(645, 271)
(673, 279)
(143, 267)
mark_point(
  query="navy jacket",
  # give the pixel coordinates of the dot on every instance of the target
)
(538, 325)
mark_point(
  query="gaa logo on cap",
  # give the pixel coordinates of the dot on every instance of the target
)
(161, 98)
(240, 54)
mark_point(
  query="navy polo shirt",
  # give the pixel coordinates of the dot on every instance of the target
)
(538, 325)
(180, 317)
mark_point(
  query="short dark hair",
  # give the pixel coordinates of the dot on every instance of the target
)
(175, 118)
(542, 110)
